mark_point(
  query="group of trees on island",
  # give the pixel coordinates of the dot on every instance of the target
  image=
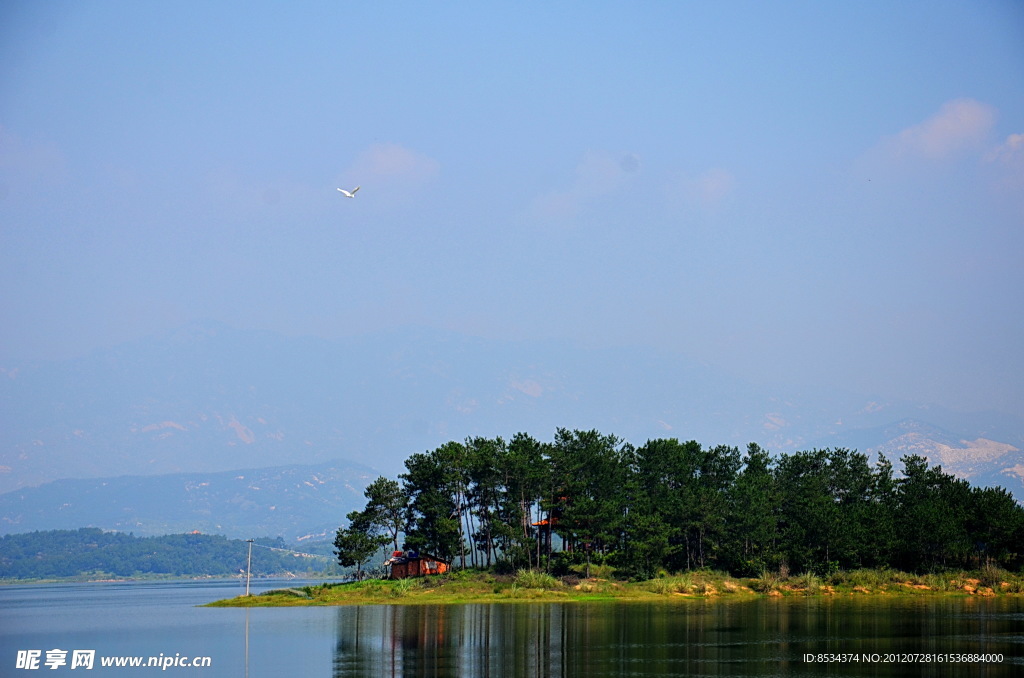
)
(670, 505)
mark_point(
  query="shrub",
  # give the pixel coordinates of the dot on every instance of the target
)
(504, 566)
(590, 586)
(1016, 584)
(767, 582)
(597, 571)
(670, 585)
(992, 576)
(402, 587)
(529, 579)
(808, 581)
(938, 582)
(373, 587)
(868, 578)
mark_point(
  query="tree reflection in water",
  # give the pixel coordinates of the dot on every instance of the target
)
(764, 637)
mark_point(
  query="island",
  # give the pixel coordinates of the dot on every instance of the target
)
(590, 516)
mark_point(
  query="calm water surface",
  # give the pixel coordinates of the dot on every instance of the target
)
(695, 638)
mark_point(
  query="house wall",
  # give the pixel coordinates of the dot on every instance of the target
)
(434, 567)
(417, 568)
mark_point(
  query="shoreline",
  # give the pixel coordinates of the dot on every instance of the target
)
(481, 587)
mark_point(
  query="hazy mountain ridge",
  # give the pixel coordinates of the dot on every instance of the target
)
(980, 460)
(296, 502)
(208, 398)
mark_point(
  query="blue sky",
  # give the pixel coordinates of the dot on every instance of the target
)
(821, 193)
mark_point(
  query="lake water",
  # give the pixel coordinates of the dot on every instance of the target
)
(765, 637)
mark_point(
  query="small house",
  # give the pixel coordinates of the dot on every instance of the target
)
(405, 564)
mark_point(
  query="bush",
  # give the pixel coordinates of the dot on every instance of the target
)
(767, 582)
(670, 585)
(504, 566)
(866, 578)
(529, 579)
(562, 561)
(597, 571)
(372, 587)
(938, 582)
(992, 576)
(401, 588)
(591, 586)
(807, 581)
(1016, 584)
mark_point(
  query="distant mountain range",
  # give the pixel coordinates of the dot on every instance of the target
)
(206, 399)
(980, 460)
(294, 502)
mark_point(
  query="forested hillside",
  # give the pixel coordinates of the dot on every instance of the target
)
(670, 505)
(72, 553)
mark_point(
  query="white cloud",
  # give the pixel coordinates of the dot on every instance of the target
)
(598, 173)
(392, 163)
(712, 187)
(959, 125)
(1010, 151)
(559, 206)
(530, 387)
(1008, 160)
(707, 190)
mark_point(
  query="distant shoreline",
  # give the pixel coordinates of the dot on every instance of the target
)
(111, 579)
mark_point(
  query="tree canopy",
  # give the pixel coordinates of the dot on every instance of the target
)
(670, 505)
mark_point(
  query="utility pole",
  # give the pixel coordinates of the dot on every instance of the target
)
(248, 567)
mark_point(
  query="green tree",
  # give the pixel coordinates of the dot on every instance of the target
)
(881, 520)
(592, 471)
(521, 469)
(932, 517)
(807, 512)
(483, 459)
(385, 508)
(850, 486)
(644, 542)
(687, 487)
(716, 470)
(996, 524)
(434, 485)
(753, 518)
(357, 543)
(666, 487)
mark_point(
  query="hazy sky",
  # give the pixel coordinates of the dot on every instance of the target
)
(829, 193)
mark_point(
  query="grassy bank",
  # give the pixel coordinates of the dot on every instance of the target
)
(484, 587)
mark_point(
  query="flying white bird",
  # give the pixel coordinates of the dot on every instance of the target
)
(349, 194)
